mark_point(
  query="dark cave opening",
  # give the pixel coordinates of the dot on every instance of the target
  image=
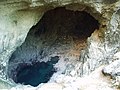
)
(59, 32)
(40, 71)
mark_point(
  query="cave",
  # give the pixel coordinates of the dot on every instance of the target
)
(41, 71)
(59, 33)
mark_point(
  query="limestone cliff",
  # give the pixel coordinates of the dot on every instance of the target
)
(18, 16)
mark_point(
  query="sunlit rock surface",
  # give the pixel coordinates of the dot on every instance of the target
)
(113, 70)
(18, 16)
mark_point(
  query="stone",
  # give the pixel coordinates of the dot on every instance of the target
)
(113, 70)
(18, 16)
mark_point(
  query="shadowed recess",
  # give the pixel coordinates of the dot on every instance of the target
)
(59, 32)
(39, 72)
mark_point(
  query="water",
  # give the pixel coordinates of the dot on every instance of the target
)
(37, 73)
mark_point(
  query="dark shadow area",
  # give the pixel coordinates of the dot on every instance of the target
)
(77, 23)
(38, 72)
(60, 32)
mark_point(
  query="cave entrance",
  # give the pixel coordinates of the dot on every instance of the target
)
(59, 33)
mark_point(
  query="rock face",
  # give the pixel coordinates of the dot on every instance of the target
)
(60, 32)
(18, 16)
(113, 70)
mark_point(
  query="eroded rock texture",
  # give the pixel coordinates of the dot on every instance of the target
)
(18, 16)
(60, 32)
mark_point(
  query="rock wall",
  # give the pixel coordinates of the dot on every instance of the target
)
(18, 16)
(60, 32)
